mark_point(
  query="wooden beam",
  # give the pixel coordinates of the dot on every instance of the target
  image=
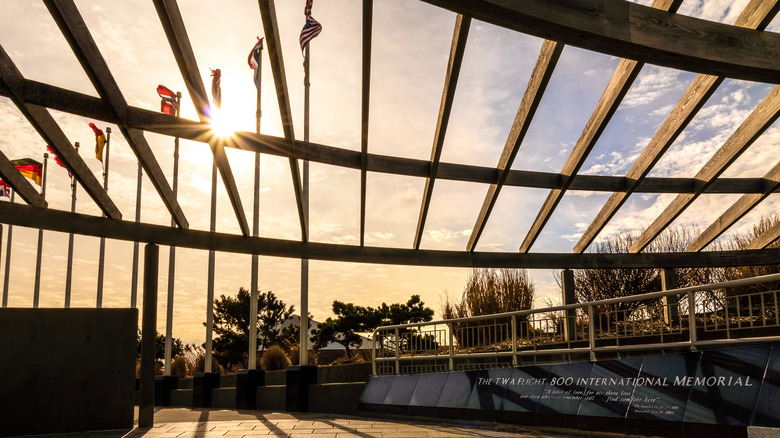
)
(153, 121)
(365, 101)
(632, 31)
(762, 117)
(769, 237)
(702, 87)
(176, 32)
(737, 211)
(457, 49)
(694, 98)
(274, 44)
(66, 222)
(75, 30)
(537, 84)
(10, 174)
(52, 134)
(624, 76)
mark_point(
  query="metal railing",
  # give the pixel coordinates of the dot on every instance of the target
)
(732, 312)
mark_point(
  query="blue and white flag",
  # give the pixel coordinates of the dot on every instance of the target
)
(254, 60)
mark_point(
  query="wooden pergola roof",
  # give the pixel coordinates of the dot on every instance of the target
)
(635, 33)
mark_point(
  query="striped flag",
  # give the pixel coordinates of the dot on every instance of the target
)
(311, 29)
(5, 189)
(58, 161)
(168, 102)
(100, 141)
(216, 87)
(254, 60)
(29, 168)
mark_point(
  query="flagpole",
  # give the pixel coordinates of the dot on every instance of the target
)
(8, 258)
(37, 287)
(210, 293)
(69, 266)
(216, 94)
(134, 279)
(101, 259)
(255, 229)
(172, 256)
(304, 328)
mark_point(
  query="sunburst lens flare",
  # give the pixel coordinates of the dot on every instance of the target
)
(220, 125)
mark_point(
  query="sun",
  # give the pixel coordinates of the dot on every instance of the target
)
(221, 125)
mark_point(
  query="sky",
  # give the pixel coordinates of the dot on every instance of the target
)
(411, 42)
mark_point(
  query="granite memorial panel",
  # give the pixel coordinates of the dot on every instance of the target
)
(562, 394)
(767, 413)
(724, 390)
(608, 392)
(400, 394)
(524, 390)
(455, 394)
(488, 393)
(426, 394)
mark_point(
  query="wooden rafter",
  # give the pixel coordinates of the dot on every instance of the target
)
(274, 44)
(57, 220)
(75, 30)
(688, 106)
(537, 84)
(365, 101)
(762, 117)
(767, 238)
(173, 25)
(457, 49)
(10, 174)
(40, 119)
(72, 102)
(632, 31)
(624, 76)
(737, 210)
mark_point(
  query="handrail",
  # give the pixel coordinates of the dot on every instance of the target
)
(552, 335)
(649, 296)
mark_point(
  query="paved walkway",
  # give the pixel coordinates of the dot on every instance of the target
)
(207, 423)
(183, 422)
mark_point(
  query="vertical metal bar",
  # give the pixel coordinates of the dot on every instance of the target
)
(37, 287)
(172, 258)
(397, 350)
(692, 319)
(591, 333)
(373, 353)
(303, 349)
(253, 294)
(7, 275)
(452, 346)
(513, 326)
(212, 262)
(102, 251)
(134, 279)
(69, 266)
(148, 336)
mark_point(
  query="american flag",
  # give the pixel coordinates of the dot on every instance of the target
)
(254, 60)
(310, 30)
(307, 9)
(168, 102)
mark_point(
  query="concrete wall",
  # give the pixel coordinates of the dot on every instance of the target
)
(66, 370)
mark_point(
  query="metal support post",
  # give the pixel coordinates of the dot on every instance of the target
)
(148, 335)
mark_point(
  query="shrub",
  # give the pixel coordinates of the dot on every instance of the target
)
(487, 292)
(180, 366)
(274, 359)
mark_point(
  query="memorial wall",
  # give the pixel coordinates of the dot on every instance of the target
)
(688, 394)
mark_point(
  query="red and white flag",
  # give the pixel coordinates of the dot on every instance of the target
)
(311, 29)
